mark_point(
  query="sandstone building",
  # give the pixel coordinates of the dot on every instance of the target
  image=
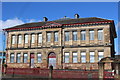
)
(65, 43)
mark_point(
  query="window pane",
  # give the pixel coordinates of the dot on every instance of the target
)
(26, 38)
(100, 55)
(48, 37)
(12, 58)
(19, 39)
(67, 36)
(66, 57)
(92, 57)
(56, 36)
(25, 58)
(83, 35)
(33, 38)
(75, 57)
(83, 57)
(13, 39)
(75, 36)
(91, 35)
(100, 34)
(39, 58)
(40, 38)
(18, 58)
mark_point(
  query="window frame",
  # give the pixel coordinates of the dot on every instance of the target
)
(67, 36)
(83, 35)
(91, 34)
(39, 57)
(75, 56)
(66, 57)
(82, 57)
(26, 38)
(49, 36)
(18, 58)
(25, 57)
(39, 38)
(12, 58)
(100, 34)
(74, 35)
(19, 39)
(56, 36)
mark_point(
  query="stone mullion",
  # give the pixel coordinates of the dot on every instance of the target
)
(87, 56)
(96, 56)
(29, 40)
(87, 36)
(78, 56)
(78, 36)
(23, 38)
(15, 57)
(96, 36)
(71, 38)
(28, 58)
(36, 40)
(21, 57)
(52, 38)
(71, 57)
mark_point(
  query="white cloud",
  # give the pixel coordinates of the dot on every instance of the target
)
(15, 21)
(10, 23)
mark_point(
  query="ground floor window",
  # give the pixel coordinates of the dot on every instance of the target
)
(83, 57)
(18, 58)
(39, 58)
(25, 58)
(66, 57)
(75, 57)
(12, 58)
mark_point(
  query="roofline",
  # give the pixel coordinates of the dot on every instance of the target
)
(109, 21)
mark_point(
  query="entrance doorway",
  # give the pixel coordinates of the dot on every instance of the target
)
(32, 60)
(52, 59)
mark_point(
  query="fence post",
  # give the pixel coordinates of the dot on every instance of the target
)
(51, 70)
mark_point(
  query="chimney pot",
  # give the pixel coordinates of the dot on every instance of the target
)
(76, 16)
(45, 19)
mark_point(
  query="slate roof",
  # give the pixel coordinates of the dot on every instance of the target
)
(62, 21)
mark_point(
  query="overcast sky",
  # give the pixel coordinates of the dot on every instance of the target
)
(16, 13)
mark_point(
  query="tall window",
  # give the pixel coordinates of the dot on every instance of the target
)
(66, 57)
(67, 36)
(12, 58)
(26, 38)
(48, 37)
(92, 57)
(39, 58)
(75, 57)
(91, 34)
(19, 39)
(75, 36)
(100, 34)
(40, 38)
(100, 55)
(83, 57)
(83, 35)
(25, 58)
(33, 38)
(56, 36)
(18, 58)
(13, 39)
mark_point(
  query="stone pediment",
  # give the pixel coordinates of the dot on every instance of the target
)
(52, 24)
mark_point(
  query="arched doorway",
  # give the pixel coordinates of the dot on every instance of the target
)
(52, 59)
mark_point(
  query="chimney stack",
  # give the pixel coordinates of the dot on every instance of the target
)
(45, 19)
(76, 16)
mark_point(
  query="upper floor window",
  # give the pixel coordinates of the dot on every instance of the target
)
(66, 57)
(48, 37)
(92, 57)
(83, 57)
(25, 58)
(56, 36)
(83, 35)
(91, 34)
(67, 36)
(40, 38)
(100, 55)
(39, 58)
(19, 39)
(100, 34)
(26, 38)
(12, 58)
(74, 35)
(33, 38)
(13, 39)
(18, 58)
(75, 57)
